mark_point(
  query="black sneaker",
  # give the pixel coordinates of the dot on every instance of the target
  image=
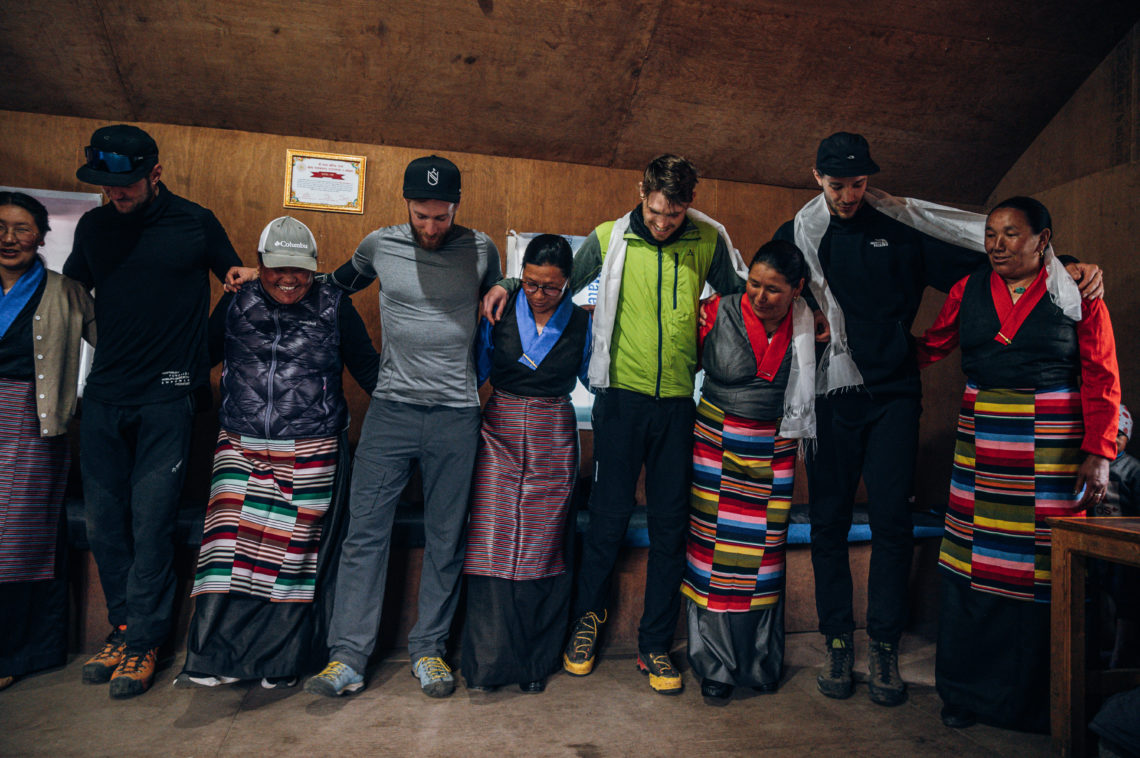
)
(886, 686)
(836, 680)
(578, 658)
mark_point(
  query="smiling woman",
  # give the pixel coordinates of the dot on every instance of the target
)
(43, 316)
(1036, 432)
(279, 468)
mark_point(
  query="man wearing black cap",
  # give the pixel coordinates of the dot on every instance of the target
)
(147, 253)
(432, 273)
(869, 274)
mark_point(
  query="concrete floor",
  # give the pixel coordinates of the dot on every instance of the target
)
(610, 713)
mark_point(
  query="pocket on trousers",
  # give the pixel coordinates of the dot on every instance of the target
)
(366, 494)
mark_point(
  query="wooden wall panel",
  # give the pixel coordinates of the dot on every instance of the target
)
(240, 175)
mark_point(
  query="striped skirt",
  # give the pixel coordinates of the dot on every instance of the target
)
(263, 522)
(524, 477)
(738, 523)
(1015, 465)
(33, 477)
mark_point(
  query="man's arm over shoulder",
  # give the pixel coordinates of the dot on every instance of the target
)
(587, 262)
(722, 274)
(76, 266)
(490, 252)
(358, 271)
(220, 253)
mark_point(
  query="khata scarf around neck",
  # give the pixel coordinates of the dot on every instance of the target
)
(837, 370)
(799, 400)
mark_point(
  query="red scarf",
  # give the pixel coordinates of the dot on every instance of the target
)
(769, 355)
(1012, 315)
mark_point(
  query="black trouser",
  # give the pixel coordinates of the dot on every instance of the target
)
(133, 459)
(631, 429)
(878, 438)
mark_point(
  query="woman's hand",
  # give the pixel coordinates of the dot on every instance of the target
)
(237, 276)
(1089, 278)
(1093, 476)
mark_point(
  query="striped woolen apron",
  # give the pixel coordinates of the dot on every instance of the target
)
(33, 477)
(524, 477)
(738, 524)
(1015, 465)
(263, 523)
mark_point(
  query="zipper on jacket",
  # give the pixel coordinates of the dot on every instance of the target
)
(660, 330)
(272, 371)
(676, 268)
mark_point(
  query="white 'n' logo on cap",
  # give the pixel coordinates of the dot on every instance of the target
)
(851, 157)
(433, 176)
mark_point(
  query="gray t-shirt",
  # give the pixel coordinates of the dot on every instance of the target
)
(428, 312)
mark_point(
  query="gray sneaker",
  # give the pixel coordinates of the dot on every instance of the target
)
(886, 686)
(836, 680)
(435, 676)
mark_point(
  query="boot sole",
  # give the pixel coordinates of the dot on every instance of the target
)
(661, 685)
(125, 690)
(319, 687)
(888, 699)
(99, 675)
(577, 669)
(835, 694)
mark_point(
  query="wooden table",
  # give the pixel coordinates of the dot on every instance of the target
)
(1075, 540)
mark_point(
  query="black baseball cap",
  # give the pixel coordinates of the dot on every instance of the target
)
(432, 178)
(844, 154)
(117, 156)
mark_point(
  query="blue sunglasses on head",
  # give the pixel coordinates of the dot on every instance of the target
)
(113, 163)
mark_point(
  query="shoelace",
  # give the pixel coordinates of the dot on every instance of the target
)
(662, 663)
(884, 655)
(335, 670)
(838, 658)
(435, 668)
(133, 663)
(586, 633)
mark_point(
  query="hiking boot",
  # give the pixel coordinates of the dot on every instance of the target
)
(578, 658)
(435, 676)
(836, 680)
(134, 675)
(886, 686)
(336, 679)
(663, 675)
(98, 669)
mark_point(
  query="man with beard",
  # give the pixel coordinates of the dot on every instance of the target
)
(432, 273)
(147, 253)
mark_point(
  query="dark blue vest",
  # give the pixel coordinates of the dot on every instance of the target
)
(282, 374)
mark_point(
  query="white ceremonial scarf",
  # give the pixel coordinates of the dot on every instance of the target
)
(799, 403)
(837, 369)
(798, 421)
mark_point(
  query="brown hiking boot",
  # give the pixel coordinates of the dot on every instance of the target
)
(885, 685)
(134, 674)
(98, 669)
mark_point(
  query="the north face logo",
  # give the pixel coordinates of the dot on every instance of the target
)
(433, 176)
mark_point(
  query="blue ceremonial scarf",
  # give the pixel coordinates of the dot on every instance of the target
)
(537, 346)
(14, 300)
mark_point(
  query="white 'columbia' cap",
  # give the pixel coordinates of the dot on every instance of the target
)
(285, 241)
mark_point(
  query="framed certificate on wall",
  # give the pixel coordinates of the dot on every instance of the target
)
(324, 181)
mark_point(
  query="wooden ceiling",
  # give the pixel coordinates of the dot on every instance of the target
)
(950, 92)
